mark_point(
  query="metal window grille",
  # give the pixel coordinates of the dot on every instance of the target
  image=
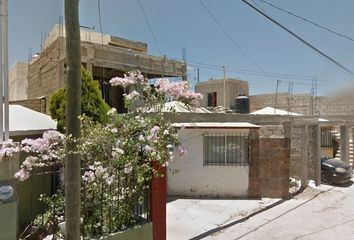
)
(326, 137)
(226, 149)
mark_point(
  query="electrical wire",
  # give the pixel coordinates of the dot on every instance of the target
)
(149, 26)
(299, 38)
(297, 81)
(253, 73)
(229, 36)
(308, 21)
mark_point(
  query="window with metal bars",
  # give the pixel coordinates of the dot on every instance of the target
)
(226, 149)
(326, 137)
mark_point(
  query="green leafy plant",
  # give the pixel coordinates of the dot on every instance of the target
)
(120, 154)
(92, 103)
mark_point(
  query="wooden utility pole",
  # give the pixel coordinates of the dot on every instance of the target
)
(224, 90)
(73, 110)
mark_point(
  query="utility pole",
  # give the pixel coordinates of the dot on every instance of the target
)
(73, 111)
(4, 73)
(1, 74)
(290, 96)
(224, 70)
(185, 67)
(5, 42)
(313, 95)
(198, 75)
(276, 96)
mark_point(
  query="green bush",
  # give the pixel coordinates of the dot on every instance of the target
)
(92, 103)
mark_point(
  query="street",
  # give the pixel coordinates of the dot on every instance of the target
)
(326, 212)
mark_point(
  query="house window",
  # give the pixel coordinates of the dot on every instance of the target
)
(211, 99)
(226, 149)
(326, 137)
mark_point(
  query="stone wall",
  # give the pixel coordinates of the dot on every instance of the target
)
(305, 104)
(296, 153)
(305, 153)
(269, 173)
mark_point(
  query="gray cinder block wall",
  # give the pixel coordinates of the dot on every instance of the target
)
(305, 104)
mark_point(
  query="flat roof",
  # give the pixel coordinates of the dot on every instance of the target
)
(24, 121)
(216, 125)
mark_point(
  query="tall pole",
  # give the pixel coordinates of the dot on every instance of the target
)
(276, 96)
(185, 66)
(1, 74)
(198, 75)
(5, 41)
(73, 110)
(224, 70)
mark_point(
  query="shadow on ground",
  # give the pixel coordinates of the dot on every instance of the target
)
(241, 220)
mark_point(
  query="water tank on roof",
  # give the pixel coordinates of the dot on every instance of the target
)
(242, 105)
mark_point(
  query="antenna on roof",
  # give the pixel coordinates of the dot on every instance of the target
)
(184, 58)
(29, 58)
(41, 41)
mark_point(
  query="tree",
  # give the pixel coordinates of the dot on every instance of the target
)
(92, 103)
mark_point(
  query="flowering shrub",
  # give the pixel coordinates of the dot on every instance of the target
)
(116, 156)
(45, 151)
(8, 147)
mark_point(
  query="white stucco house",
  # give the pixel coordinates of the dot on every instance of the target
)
(216, 163)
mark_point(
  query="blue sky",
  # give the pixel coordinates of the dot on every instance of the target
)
(185, 23)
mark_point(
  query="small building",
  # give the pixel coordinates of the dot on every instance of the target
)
(217, 162)
(26, 123)
(214, 91)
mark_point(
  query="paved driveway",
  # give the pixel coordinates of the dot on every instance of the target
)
(323, 213)
(194, 218)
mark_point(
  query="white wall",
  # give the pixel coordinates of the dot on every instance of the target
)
(18, 82)
(188, 177)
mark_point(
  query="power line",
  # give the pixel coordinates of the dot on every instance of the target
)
(299, 81)
(299, 38)
(149, 26)
(308, 21)
(253, 73)
(230, 37)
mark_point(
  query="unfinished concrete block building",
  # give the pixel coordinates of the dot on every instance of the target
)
(104, 56)
(215, 91)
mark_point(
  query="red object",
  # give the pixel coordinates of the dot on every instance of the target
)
(158, 203)
(213, 99)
